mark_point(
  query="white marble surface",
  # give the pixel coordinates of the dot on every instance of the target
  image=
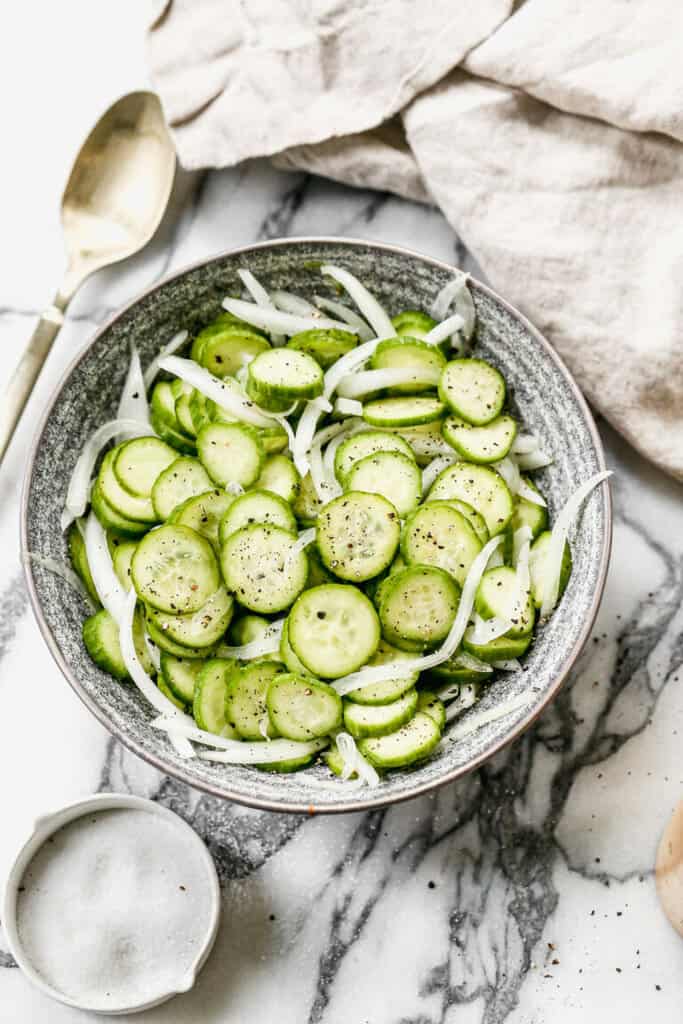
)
(522, 894)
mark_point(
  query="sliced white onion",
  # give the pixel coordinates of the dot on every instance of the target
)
(508, 664)
(331, 451)
(456, 290)
(485, 631)
(66, 573)
(304, 540)
(348, 407)
(305, 432)
(468, 661)
(327, 433)
(281, 418)
(451, 325)
(225, 393)
(78, 491)
(234, 488)
(317, 471)
(354, 761)
(349, 316)
(107, 584)
(396, 669)
(521, 540)
(538, 459)
(176, 342)
(133, 403)
(468, 696)
(371, 309)
(267, 643)
(529, 494)
(288, 302)
(349, 364)
(436, 466)
(229, 751)
(476, 722)
(496, 560)
(145, 683)
(356, 385)
(524, 444)
(260, 297)
(153, 652)
(509, 471)
(558, 538)
(276, 320)
(263, 727)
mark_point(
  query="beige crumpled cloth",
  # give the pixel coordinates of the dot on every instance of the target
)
(555, 150)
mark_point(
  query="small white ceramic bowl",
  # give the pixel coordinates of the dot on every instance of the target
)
(44, 828)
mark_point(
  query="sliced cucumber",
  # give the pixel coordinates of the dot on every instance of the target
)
(417, 607)
(412, 742)
(392, 474)
(326, 347)
(403, 412)
(165, 643)
(111, 519)
(439, 535)
(425, 441)
(378, 720)
(335, 762)
(225, 347)
(453, 671)
(183, 413)
(307, 504)
(537, 561)
(203, 628)
(180, 675)
(302, 708)
(527, 513)
(138, 463)
(413, 323)
(247, 628)
(245, 700)
(481, 487)
(317, 573)
(367, 442)
(473, 390)
(101, 639)
(429, 704)
(503, 648)
(184, 478)
(498, 596)
(209, 699)
(122, 556)
(174, 570)
(117, 497)
(79, 560)
(357, 535)
(480, 444)
(280, 476)
(169, 694)
(410, 354)
(203, 513)
(231, 453)
(259, 567)
(199, 410)
(274, 439)
(287, 653)
(256, 507)
(266, 401)
(287, 374)
(164, 420)
(387, 690)
(474, 518)
(333, 630)
(294, 764)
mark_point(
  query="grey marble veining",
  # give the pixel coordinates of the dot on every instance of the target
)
(521, 894)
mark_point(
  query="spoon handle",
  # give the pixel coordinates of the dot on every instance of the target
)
(24, 377)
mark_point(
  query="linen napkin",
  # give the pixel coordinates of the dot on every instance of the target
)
(553, 151)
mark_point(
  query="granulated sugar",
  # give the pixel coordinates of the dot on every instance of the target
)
(114, 908)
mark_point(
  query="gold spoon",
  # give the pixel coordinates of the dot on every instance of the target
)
(113, 202)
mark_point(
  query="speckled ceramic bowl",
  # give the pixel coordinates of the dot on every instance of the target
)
(543, 395)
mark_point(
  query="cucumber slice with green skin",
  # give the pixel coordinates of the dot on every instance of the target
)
(286, 373)
(245, 699)
(413, 742)
(110, 518)
(480, 444)
(124, 504)
(481, 487)
(537, 560)
(169, 694)
(256, 507)
(203, 513)
(180, 675)
(410, 354)
(379, 719)
(287, 653)
(503, 648)
(79, 560)
(326, 347)
(174, 570)
(265, 400)
(335, 762)
(357, 535)
(473, 390)
(138, 463)
(165, 643)
(439, 535)
(199, 410)
(183, 444)
(224, 349)
(285, 767)
(259, 567)
(101, 639)
(217, 326)
(526, 513)
(498, 596)
(273, 439)
(210, 692)
(183, 414)
(476, 521)
(413, 323)
(279, 475)
(184, 478)
(303, 708)
(403, 412)
(417, 607)
(368, 442)
(307, 505)
(451, 672)
(122, 556)
(247, 628)
(387, 690)
(392, 474)
(425, 441)
(231, 453)
(429, 704)
(203, 628)
(163, 417)
(317, 573)
(333, 630)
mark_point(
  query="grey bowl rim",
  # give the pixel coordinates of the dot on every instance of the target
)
(374, 802)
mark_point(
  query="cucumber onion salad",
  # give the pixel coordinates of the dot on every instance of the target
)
(317, 534)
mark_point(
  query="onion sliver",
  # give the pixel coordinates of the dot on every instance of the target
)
(456, 290)
(371, 309)
(444, 330)
(486, 630)
(349, 316)
(509, 471)
(354, 761)
(261, 297)
(436, 466)
(468, 696)
(176, 342)
(288, 302)
(524, 444)
(305, 432)
(485, 717)
(107, 584)
(224, 393)
(348, 407)
(534, 460)
(239, 751)
(265, 644)
(355, 385)
(276, 320)
(133, 403)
